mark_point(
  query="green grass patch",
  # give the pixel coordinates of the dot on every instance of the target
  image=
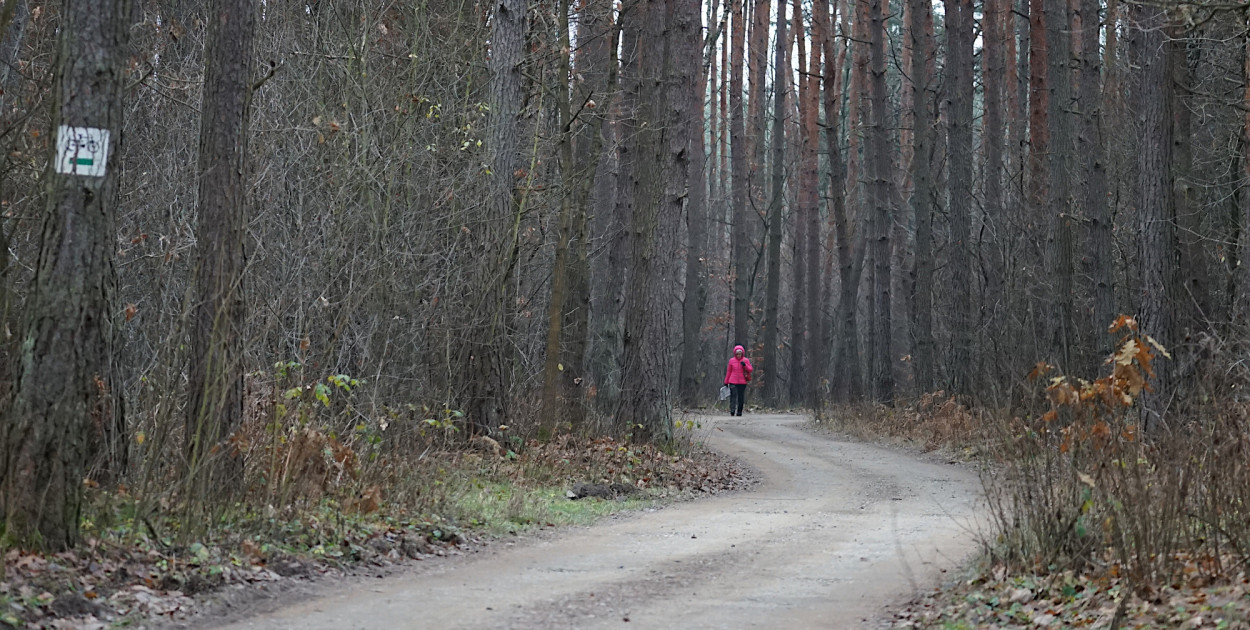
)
(499, 508)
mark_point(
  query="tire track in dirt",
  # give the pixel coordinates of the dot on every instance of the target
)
(835, 532)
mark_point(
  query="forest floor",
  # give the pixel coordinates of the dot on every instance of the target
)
(154, 571)
(1211, 592)
(835, 532)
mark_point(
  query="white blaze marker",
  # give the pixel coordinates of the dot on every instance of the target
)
(81, 150)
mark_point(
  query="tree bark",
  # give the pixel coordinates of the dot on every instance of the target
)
(845, 384)
(806, 201)
(772, 298)
(1058, 189)
(959, 32)
(920, 16)
(740, 182)
(644, 413)
(994, 215)
(215, 406)
(688, 82)
(812, 340)
(1092, 153)
(883, 211)
(1242, 305)
(1156, 238)
(596, 67)
(1195, 281)
(65, 406)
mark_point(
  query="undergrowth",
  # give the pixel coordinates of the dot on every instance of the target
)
(327, 483)
(1100, 519)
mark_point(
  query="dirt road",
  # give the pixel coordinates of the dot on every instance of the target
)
(835, 532)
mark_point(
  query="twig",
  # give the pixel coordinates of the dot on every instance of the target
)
(273, 68)
(147, 523)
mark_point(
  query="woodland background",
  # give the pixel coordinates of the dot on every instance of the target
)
(348, 226)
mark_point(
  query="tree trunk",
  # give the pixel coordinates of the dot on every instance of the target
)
(552, 413)
(883, 212)
(596, 67)
(920, 16)
(215, 406)
(644, 412)
(485, 359)
(740, 150)
(812, 346)
(1195, 294)
(689, 87)
(65, 401)
(1156, 239)
(772, 298)
(959, 143)
(1092, 153)
(846, 349)
(1242, 306)
(1059, 186)
(993, 74)
(806, 201)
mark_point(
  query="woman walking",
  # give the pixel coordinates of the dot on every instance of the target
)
(737, 375)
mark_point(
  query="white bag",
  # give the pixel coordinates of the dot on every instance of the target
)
(724, 392)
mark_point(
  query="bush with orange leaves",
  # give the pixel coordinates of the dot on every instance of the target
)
(1081, 487)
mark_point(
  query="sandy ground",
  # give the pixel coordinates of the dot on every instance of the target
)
(835, 532)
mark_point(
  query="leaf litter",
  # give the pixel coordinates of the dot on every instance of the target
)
(121, 577)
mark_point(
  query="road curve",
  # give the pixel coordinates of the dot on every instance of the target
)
(835, 532)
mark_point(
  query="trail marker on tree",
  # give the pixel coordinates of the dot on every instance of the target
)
(81, 150)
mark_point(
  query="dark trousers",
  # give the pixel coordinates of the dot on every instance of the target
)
(737, 397)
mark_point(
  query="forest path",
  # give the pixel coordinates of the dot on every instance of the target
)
(835, 532)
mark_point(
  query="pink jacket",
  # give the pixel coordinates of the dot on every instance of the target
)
(738, 371)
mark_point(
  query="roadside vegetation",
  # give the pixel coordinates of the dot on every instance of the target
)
(339, 505)
(1095, 521)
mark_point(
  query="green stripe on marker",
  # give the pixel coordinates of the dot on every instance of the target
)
(84, 161)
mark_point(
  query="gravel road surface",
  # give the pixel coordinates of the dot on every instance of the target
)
(835, 532)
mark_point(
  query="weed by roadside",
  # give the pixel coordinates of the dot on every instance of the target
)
(138, 568)
(1099, 523)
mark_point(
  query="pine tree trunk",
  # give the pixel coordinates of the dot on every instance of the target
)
(1156, 239)
(772, 298)
(1195, 294)
(1242, 305)
(805, 201)
(644, 412)
(596, 66)
(846, 349)
(1092, 153)
(1059, 186)
(883, 212)
(689, 86)
(993, 74)
(740, 148)
(215, 405)
(65, 406)
(812, 340)
(920, 16)
(959, 143)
